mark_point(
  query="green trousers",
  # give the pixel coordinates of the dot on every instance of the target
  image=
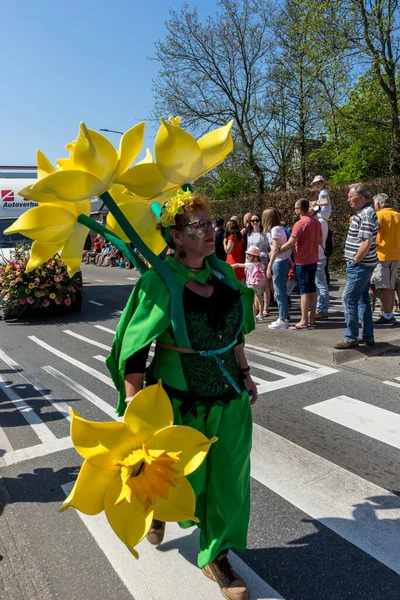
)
(222, 482)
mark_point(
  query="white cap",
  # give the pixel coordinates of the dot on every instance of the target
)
(317, 179)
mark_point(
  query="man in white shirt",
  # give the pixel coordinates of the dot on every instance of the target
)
(320, 275)
(323, 206)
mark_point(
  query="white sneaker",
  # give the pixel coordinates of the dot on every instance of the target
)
(279, 324)
(259, 318)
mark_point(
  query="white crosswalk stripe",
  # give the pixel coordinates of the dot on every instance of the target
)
(339, 500)
(316, 486)
(378, 423)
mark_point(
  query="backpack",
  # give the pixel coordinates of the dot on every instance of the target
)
(257, 275)
(329, 244)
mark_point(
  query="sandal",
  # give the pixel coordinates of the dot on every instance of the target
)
(297, 327)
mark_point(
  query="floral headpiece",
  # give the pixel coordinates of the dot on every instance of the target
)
(175, 206)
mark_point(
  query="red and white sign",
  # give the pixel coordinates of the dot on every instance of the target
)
(12, 205)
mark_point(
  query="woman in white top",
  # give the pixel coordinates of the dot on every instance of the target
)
(257, 237)
(279, 264)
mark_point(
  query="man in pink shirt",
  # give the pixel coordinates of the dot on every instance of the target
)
(305, 238)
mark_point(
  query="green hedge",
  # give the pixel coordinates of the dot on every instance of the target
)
(285, 200)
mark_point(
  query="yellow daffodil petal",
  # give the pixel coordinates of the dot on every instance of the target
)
(143, 220)
(121, 195)
(150, 409)
(44, 166)
(215, 145)
(94, 154)
(64, 163)
(145, 180)
(147, 159)
(130, 520)
(70, 185)
(177, 153)
(79, 208)
(72, 251)
(101, 443)
(29, 193)
(44, 224)
(180, 506)
(129, 147)
(40, 253)
(193, 445)
(90, 489)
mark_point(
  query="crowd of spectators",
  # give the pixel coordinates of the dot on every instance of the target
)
(103, 254)
(274, 260)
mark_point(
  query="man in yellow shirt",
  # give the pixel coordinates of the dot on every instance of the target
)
(388, 251)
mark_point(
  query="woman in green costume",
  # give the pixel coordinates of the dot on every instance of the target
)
(209, 384)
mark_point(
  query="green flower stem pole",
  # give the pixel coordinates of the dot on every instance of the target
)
(115, 240)
(177, 313)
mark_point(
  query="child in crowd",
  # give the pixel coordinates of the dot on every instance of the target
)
(255, 278)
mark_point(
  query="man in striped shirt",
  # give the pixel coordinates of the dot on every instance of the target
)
(361, 257)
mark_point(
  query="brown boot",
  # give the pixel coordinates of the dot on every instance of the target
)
(155, 534)
(232, 585)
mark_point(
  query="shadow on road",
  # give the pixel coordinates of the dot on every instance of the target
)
(331, 568)
(41, 485)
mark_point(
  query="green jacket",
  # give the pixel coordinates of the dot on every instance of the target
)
(147, 317)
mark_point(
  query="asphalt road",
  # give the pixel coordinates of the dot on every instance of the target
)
(325, 521)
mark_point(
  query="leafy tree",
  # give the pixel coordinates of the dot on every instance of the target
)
(359, 150)
(368, 31)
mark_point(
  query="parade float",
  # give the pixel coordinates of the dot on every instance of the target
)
(45, 291)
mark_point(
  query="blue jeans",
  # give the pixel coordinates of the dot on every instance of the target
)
(280, 270)
(356, 302)
(322, 287)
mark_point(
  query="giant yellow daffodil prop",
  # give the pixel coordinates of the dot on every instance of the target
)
(92, 167)
(136, 470)
(95, 168)
(179, 159)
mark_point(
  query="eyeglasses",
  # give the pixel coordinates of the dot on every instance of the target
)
(254, 220)
(202, 224)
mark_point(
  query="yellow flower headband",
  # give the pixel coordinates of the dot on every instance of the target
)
(175, 206)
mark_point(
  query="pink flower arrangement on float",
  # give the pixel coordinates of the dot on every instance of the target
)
(42, 289)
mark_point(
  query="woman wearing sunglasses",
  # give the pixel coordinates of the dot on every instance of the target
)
(258, 238)
(208, 382)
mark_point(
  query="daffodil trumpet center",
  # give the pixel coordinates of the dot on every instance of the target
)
(137, 470)
(148, 474)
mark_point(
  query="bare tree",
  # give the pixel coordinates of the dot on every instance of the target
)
(295, 79)
(217, 70)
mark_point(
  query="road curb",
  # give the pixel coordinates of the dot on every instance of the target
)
(339, 357)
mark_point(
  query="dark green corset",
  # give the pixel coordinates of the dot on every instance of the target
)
(212, 324)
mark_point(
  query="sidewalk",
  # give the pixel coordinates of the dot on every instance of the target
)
(318, 344)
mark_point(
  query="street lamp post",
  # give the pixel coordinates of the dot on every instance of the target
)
(112, 131)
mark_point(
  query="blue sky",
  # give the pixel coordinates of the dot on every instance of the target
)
(82, 60)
